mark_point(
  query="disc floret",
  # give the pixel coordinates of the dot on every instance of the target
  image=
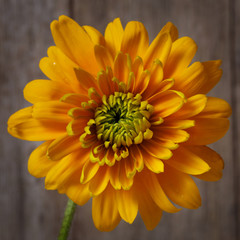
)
(123, 120)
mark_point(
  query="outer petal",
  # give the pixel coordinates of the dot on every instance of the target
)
(149, 211)
(63, 146)
(216, 108)
(207, 130)
(182, 53)
(188, 162)
(104, 210)
(152, 184)
(171, 29)
(95, 35)
(39, 164)
(67, 168)
(127, 205)
(135, 39)
(75, 43)
(180, 188)
(213, 159)
(159, 49)
(44, 90)
(113, 36)
(22, 125)
(213, 75)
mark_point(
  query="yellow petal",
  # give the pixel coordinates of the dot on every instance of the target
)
(171, 29)
(191, 80)
(213, 159)
(166, 103)
(52, 110)
(135, 39)
(192, 107)
(95, 35)
(182, 53)
(207, 130)
(180, 188)
(44, 90)
(104, 211)
(69, 167)
(121, 68)
(103, 56)
(127, 205)
(213, 75)
(85, 79)
(38, 163)
(152, 184)
(216, 108)
(175, 135)
(88, 172)
(155, 79)
(153, 148)
(75, 43)
(22, 125)
(58, 67)
(76, 127)
(149, 211)
(158, 49)
(63, 146)
(74, 99)
(114, 176)
(113, 36)
(105, 83)
(152, 163)
(76, 191)
(136, 154)
(188, 162)
(126, 182)
(100, 181)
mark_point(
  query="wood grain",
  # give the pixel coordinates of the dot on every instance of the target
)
(30, 212)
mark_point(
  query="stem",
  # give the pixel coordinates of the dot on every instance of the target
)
(67, 220)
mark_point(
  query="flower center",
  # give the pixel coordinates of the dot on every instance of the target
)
(123, 119)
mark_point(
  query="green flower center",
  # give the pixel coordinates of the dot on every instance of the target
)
(123, 119)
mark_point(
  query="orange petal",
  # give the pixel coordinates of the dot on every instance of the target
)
(207, 130)
(213, 75)
(63, 146)
(100, 181)
(182, 53)
(216, 108)
(104, 210)
(75, 43)
(192, 107)
(127, 205)
(39, 164)
(103, 56)
(149, 211)
(188, 162)
(22, 125)
(88, 172)
(171, 29)
(158, 49)
(180, 188)
(69, 167)
(113, 36)
(166, 103)
(44, 90)
(95, 35)
(152, 184)
(135, 39)
(212, 158)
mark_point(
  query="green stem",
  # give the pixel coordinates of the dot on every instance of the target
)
(67, 220)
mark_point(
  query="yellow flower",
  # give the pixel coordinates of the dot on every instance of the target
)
(124, 121)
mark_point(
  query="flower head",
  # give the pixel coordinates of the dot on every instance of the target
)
(124, 121)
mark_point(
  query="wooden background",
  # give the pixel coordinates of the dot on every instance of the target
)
(27, 210)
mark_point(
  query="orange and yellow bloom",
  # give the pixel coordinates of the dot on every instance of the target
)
(124, 121)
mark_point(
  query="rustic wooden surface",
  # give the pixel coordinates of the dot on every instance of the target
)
(27, 210)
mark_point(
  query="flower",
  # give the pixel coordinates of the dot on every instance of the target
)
(124, 121)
